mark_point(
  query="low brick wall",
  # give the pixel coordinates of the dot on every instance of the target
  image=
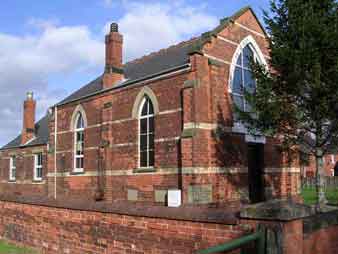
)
(321, 234)
(61, 230)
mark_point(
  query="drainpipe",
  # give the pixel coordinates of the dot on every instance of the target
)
(55, 142)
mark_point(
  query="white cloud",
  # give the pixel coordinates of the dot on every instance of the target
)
(27, 63)
(110, 3)
(149, 26)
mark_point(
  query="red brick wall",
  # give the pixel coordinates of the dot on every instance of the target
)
(121, 130)
(316, 234)
(320, 233)
(323, 241)
(55, 230)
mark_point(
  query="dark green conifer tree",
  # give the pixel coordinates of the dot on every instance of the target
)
(297, 97)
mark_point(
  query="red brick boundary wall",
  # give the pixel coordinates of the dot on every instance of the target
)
(293, 228)
(60, 230)
(98, 230)
(321, 234)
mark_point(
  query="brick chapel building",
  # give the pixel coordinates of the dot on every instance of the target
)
(159, 130)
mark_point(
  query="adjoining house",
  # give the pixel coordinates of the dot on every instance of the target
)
(159, 130)
(308, 161)
(330, 161)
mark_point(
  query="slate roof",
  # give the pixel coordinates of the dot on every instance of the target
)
(147, 66)
(41, 136)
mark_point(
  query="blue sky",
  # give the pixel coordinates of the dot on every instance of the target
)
(54, 47)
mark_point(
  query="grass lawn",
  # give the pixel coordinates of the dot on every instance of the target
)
(6, 248)
(309, 195)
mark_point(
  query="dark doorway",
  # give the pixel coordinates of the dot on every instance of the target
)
(256, 171)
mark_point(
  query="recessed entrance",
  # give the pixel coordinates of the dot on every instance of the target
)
(256, 172)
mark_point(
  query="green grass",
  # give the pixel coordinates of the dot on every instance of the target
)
(6, 248)
(309, 195)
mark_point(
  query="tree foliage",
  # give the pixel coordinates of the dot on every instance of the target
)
(297, 97)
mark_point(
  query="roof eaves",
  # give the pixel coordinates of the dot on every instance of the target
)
(22, 146)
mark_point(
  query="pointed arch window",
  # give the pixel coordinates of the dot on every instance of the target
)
(242, 77)
(79, 143)
(146, 133)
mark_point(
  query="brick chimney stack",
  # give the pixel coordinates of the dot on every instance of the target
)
(28, 118)
(113, 72)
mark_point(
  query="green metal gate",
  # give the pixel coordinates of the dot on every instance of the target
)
(258, 237)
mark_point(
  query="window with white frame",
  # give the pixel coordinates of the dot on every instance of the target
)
(12, 168)
(146, 134)
(38, 167)
(242, 77)
(79, 143)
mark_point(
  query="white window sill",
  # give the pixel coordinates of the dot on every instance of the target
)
(144, 170)
(77, 172)
(239, 128)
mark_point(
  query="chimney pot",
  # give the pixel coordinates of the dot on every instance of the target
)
(29, 95)
(114, 27)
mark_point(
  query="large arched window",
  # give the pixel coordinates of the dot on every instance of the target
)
(146, 133)
(79, 127)
(242, 79)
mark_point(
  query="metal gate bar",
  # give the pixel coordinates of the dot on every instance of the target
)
(258, 236)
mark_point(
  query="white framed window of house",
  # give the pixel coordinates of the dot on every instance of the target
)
(146, 134)
(38, 167)
(79, 143)
(12, 168)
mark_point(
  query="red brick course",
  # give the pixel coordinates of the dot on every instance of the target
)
(55, 230)
(322, 241)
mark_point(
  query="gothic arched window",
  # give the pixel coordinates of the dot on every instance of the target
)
(242, 77)
(146, 133)
(79, 143)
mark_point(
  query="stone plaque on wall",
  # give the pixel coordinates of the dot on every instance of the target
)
(200, 194)
(160, 195)
(132, 195)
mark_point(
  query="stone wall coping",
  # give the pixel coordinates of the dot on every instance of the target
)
(277, 210)
(320, 221)
(186, 213)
